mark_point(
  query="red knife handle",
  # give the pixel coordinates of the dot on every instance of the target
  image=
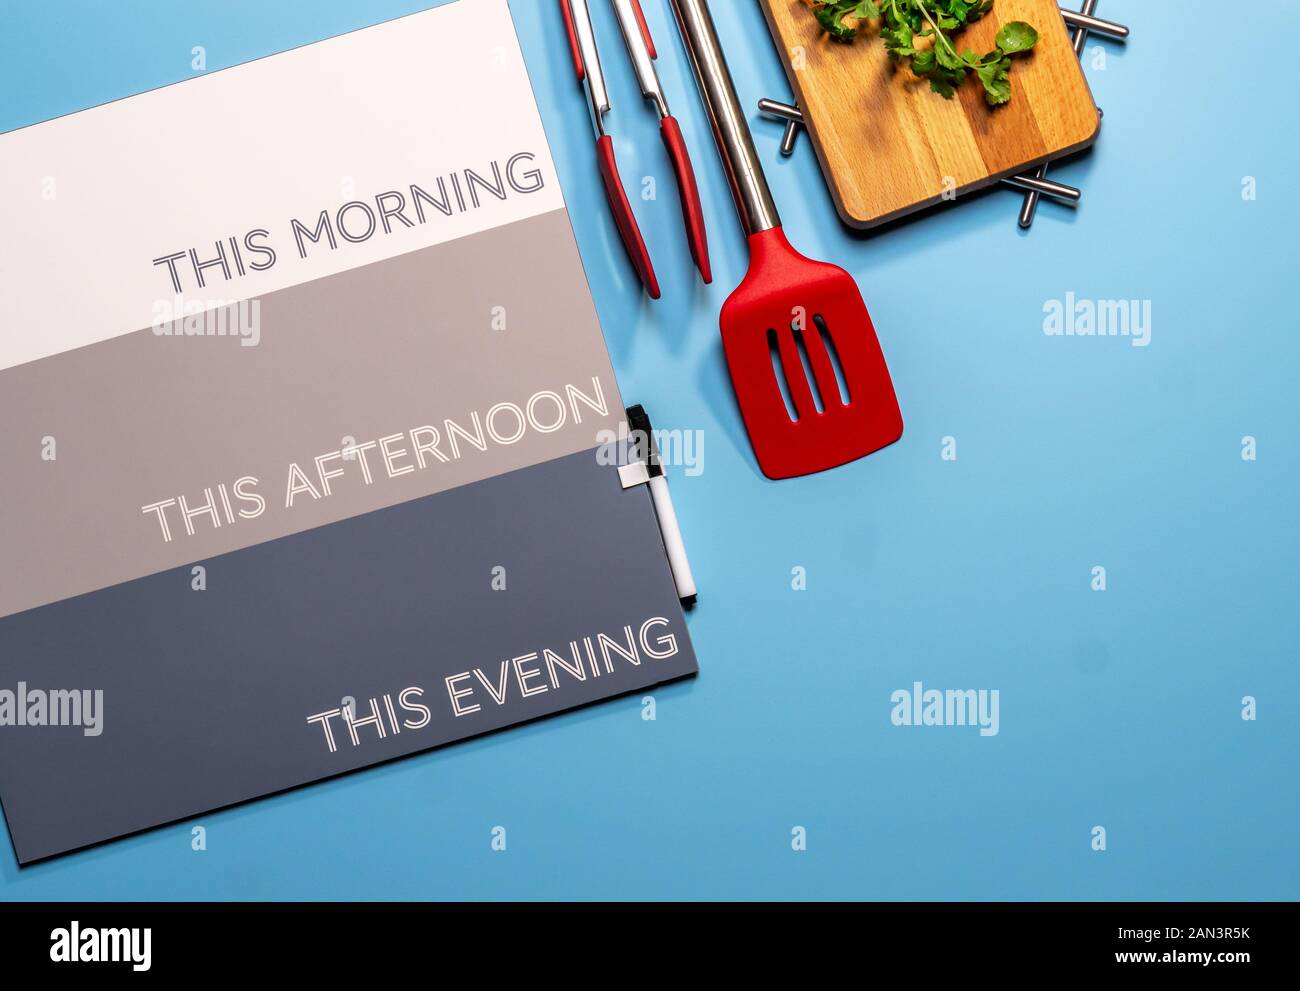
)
(571, 30)
(645, 28)
(692, 211)
(623, 216)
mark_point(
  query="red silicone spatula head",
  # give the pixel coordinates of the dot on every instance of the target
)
(791, 321)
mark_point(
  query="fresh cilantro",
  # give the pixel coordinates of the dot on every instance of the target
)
(904, 23)
(996, 77)
(832, 16)
(1017, 37)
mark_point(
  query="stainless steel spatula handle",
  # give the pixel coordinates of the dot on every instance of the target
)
(735, 144)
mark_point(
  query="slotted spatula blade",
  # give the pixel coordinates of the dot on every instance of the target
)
(797, 318)
(791, 317)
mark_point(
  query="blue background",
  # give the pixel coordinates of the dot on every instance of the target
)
(1119, 709)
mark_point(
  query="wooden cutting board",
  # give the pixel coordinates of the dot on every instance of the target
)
(888, 146)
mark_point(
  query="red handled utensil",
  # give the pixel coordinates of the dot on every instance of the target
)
(642, 52)
(586, 62)
(791, 317)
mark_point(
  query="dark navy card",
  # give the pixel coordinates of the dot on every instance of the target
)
(325, 651)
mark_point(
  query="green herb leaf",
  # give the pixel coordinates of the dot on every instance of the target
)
(902, 23)
(1017, 36)
(996, 77)
(942, 87)
(947, 56)
(899, 41)
(924, 63)
(831, 18)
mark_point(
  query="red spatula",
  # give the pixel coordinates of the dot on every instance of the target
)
(791, 318)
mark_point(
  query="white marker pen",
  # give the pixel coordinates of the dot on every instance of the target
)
(639, 423)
